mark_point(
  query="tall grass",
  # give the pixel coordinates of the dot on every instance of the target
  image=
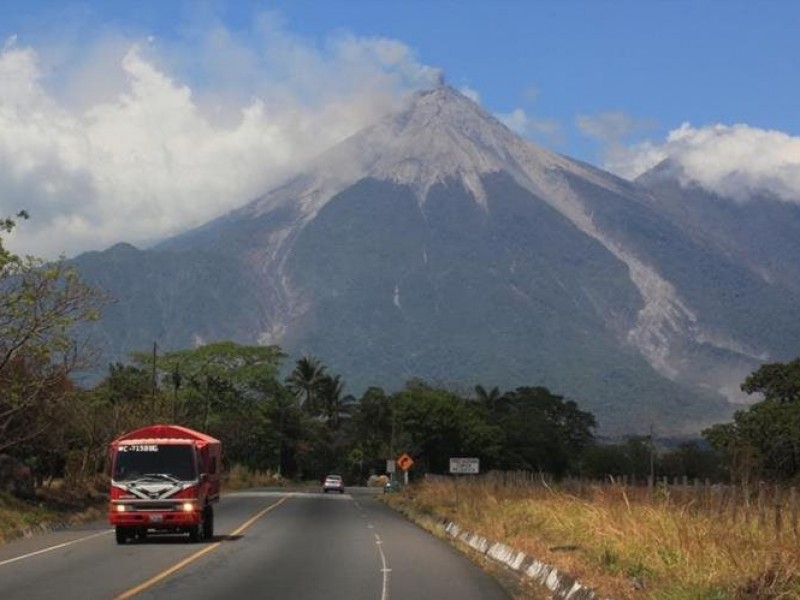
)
(628, 543)
(241, 477)
(19, 517)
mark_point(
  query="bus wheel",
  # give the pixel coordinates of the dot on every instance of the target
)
(121, 534)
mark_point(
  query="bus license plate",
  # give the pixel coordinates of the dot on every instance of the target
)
(155, 518)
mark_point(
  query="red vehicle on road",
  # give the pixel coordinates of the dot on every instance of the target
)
(164, 478)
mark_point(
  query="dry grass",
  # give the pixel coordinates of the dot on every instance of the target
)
(52, 506)
(624, 542)
(240, 477)
(17, 516)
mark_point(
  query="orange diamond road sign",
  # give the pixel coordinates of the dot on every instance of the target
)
(405, 462)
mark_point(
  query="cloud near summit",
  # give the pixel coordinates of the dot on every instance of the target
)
(734, 161)
(137, 141)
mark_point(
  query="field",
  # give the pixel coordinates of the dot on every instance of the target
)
(662, 542)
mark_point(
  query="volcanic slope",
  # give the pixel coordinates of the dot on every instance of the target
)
(440, 245)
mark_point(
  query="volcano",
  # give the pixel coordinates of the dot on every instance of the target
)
(439, 245)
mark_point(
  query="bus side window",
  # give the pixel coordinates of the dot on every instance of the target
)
(213, 469)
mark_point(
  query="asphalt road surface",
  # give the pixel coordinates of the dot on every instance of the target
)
(268, 544)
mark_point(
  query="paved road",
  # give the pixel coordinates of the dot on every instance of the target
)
(298, 546)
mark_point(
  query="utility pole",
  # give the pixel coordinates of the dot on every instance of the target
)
(652, 480)
(176, 384)
(282, 408)
(155, 354)
(392, 439)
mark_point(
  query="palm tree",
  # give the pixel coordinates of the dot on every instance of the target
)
(330, 396)
(488, 399)
(305, 380)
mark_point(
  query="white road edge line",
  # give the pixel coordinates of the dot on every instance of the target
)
(385, 570)
(51, 548)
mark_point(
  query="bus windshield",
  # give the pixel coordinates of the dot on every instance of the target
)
(166, 461)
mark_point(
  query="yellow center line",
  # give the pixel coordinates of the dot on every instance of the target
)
(190, 559)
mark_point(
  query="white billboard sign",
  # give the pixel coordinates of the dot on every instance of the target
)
(464, 466)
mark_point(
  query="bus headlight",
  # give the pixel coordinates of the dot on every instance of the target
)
(121, 508)
(187, 507)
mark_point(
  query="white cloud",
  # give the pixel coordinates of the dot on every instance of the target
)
(143, 139)
(736, 161)
(631, 161)
(470, 93)
(614, 130)
(611, 127)
(519, 121)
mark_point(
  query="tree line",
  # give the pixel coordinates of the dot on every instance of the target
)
(296, 420)
(303, 425)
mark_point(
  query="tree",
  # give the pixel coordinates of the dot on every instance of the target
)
(765, 438)
(40, 305)
(214, 375)
(305, 380)
(435, 424)
(603, 460)
(693, 461)
(329, 390)
(287, 420)
(488, 399)
(230, 391)
(543, 432)
(776, 381)
(372, 426)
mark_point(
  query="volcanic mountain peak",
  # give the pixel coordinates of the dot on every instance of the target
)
(440, 135)
(443, 135)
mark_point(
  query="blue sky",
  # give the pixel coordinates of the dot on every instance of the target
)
(608, 82)
(659, 61)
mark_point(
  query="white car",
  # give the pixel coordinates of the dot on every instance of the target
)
(333, 483)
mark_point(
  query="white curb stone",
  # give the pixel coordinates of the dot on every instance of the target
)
(562, 585)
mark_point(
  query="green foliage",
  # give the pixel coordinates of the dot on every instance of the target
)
(40, 304)
(329, 392)
(543, 432)
(232, 391)
(632, 458)
(693, 461)
(244, 367)
(126, 384)
(602, 460)
(764, 440)
(776, 381)
(372, 426)
(305, 381)
(436, 424)
(7, 225)
(305, 426)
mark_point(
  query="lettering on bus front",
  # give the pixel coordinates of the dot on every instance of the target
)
(138, 448)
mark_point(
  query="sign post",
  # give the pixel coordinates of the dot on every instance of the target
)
(464, 466)
(405, 462)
